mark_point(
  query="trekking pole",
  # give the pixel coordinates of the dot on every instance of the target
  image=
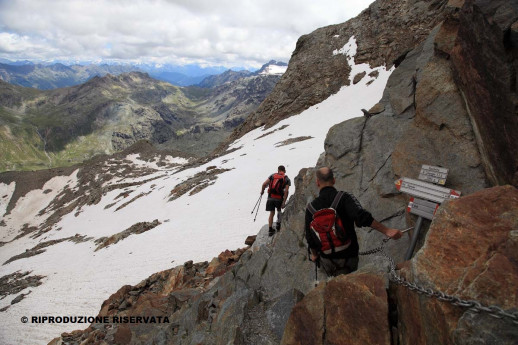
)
(258, 204)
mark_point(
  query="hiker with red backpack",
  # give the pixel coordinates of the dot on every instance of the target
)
(329, 228)
(278, 185)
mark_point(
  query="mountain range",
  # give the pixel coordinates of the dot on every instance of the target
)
(149, 233)
(46, 76)
(65, 126)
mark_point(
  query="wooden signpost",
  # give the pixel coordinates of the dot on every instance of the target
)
(426, 197)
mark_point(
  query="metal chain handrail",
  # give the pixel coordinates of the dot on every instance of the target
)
(472, 305)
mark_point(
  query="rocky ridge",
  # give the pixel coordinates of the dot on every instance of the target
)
(96, 177)
(385, 32)
(159, 296)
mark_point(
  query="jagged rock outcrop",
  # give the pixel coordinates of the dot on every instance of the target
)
(324, 315)
(157, 299)
(481, 43)
(385, 32)
(471, 251)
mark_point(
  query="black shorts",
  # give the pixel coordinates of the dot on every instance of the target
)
(272, 204)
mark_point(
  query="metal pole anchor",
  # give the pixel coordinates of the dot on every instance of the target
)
(415, 235)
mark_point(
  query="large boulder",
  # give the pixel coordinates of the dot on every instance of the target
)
(487, 78)
(424, 121)
(471, 251)
(348, 309)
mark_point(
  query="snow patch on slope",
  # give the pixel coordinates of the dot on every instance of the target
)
(28, 209)
(6, 192)
(274, 70)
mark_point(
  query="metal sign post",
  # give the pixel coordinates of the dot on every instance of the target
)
(426, 197)
(415, 236)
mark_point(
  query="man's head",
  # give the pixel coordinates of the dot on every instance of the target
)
(281, 168)
(325, 177)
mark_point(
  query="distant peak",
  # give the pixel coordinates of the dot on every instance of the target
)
(273, 68)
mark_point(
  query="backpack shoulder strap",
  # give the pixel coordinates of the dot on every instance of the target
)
(311, 209)
(336, 200)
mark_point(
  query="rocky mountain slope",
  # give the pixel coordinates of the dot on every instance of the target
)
(107, 114)
(267, 296)
(385, 32)
(425, 116)
(225, 77)
(271, 68)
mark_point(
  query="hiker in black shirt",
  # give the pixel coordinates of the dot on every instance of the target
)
(350, 212)
(278, 185)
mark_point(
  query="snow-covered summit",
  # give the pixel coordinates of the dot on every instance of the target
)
(273, 68)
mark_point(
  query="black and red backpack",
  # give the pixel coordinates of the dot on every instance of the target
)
(277, 184)
(328, 228)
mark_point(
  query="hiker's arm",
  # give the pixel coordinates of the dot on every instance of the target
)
(363, 217)
(313, 252)
(314, 255)
(355, 211)
(389, 232)
(285, 196)
(265, 184)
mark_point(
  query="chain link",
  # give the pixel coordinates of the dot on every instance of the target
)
(472, 305)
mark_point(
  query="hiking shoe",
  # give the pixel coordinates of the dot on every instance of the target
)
(278, 227)
(271, 232)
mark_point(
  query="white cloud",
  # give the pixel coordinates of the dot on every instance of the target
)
(222, 32)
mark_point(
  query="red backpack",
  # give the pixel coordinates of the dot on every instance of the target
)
(276, 187)
(328, 227)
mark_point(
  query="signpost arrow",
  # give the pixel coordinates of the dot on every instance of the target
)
(425, 190)
(422, 208)
(426, 196)
(433, 174)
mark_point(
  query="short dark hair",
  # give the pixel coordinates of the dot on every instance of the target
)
(281, 168)
(325, 174)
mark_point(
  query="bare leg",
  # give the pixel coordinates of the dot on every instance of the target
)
(270, 219)
(271, 231)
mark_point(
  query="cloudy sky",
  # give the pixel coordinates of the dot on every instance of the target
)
(228, 33)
